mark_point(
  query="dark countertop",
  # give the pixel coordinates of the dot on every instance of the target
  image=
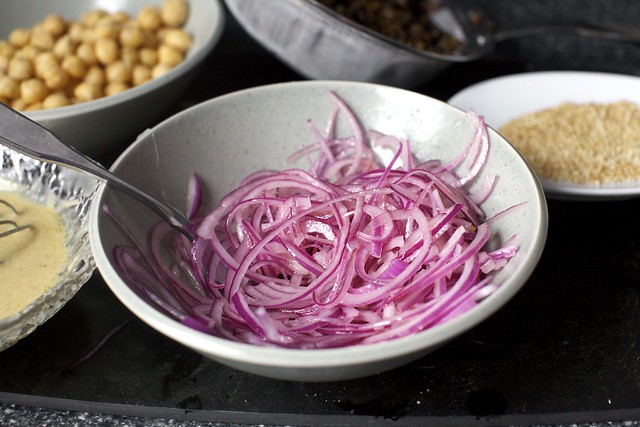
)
(564, 351)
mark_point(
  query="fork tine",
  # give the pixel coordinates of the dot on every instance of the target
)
(9, 205)
(14, 228)
(9, 226)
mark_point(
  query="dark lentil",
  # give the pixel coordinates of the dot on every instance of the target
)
(405, 21)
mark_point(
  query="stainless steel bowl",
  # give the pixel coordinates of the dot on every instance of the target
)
(320, 44)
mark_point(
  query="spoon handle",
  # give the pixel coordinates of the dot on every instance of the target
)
(22, 134)
(606, 32)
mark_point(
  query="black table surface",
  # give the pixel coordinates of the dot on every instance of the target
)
(564, 350)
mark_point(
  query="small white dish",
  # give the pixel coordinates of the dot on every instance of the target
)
(502, 99)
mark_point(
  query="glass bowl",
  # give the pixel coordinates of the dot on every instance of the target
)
(69, 193)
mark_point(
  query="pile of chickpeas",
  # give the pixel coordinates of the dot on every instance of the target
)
(57, 62)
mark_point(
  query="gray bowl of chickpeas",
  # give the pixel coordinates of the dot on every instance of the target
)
(98, 72)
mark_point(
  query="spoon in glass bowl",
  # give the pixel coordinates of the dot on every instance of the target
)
(25, 136)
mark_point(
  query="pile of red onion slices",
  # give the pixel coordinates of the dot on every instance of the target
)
(347, 252)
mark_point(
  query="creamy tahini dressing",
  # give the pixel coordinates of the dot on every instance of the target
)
(30, 260)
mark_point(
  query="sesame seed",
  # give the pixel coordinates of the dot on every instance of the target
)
(580, 143)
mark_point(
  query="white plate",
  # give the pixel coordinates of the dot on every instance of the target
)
(502, 99)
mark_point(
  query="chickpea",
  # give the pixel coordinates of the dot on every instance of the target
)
(43, 40)
(37, 28)
(87, 92)
(140, 74)
(177, 38)
(64, 46)
(120, 17)
(19, 37)
(106, 51)
(34, 106)
(56, 78)
(20, 69)
(9, 88)
(149, 18)
(118, 72)
(131, 37)
(174, 12)
(44, 57)
(33, 90)
(55, 100)
(19, 104)
(148, 56)
(160, 70)
(86, 53)
(114, 88)
(105, 28)
(4, 64)
(44, 62)
(160, 34)
(129, 56)
(54, 25)
(6, 49)
(169, 55)
(49, 70)
(91, 17)
(95, 75)
(74, 66)
(29, 52)
(76, 32)
(150, 39)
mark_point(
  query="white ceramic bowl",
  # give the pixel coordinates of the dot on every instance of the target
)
(503, 99)
(70, 194)
(228, 137)
(95, 127)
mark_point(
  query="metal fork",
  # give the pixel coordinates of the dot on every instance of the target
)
(9, 226)
(22, 134)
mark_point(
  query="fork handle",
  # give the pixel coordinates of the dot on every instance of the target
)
(22, 134)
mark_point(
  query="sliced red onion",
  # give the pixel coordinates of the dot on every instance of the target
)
(351, 252)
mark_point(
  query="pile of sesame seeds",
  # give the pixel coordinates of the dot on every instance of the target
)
(593, 144)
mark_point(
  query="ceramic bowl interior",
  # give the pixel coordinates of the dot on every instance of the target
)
(70, 194)
(226, 138)
(94, 127)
